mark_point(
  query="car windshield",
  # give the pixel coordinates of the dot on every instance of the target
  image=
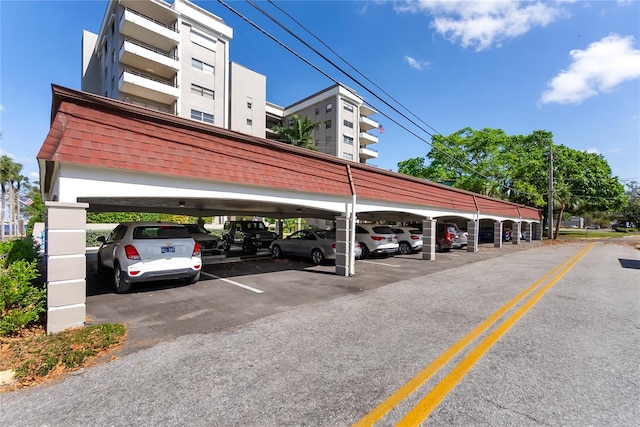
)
(160, 232)
(256, 226)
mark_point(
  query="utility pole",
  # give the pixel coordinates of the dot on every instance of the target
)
(550, 194)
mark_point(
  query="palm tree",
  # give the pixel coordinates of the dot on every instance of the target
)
(299, 132)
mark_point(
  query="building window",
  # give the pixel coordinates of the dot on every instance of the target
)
(204, 40)
(202, 66)
(348, 107)
(347, 156)
(348, 124)
(328, 124)
(249, 122)
(329, 107)
(347, 139)
(249, 105)
(201, 117)
(317, 111)
(202, 91)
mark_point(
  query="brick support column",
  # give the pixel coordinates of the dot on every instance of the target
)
(65, 248)
(537, 231)
(516, 233)
(428, 239)
(343, 245)
(472, 236)
(528, 229)
(497, 234)
(279, 229)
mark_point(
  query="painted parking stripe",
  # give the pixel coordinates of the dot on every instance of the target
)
(403, 392)
(378, 263)
(213, 276)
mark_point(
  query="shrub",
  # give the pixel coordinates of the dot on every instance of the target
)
(21, 302)
(92, 237)
(18, 249)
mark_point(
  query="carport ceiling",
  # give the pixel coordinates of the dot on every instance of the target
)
(204, 207)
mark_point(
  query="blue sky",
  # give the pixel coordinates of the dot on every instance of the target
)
(571, 68)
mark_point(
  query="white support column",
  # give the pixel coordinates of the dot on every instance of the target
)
(472, 236)
(65, 249)
(428, 239)
(343, 246)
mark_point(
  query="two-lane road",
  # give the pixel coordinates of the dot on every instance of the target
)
(544, 336)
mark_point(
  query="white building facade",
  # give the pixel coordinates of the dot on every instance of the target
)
(174, 58)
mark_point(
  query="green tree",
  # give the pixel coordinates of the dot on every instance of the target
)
(299, 132)
(516, 168)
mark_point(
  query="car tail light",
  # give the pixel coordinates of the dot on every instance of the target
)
(131, 252)
(197, 266)
(333, 245)
(377, 238)
(196, 250)
(415, 237)
(357, 244)
(134, 272)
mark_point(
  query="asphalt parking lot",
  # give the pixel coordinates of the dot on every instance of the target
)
(242, 289)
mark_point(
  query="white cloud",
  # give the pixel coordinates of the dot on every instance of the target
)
(1, 107)
(34, 176)
(601, 67)
(484, 24)
(416, 64)
(592, 150)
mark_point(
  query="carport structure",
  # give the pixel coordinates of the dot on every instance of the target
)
(105, 155)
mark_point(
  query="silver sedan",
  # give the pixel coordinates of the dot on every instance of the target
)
(319, 245)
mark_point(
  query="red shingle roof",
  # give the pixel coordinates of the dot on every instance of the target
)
(95, 131)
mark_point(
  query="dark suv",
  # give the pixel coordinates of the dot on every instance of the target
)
(248, 235)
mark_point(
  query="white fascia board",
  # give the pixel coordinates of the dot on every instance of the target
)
(84, 182)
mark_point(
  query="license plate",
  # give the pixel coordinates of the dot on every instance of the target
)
(168, 249)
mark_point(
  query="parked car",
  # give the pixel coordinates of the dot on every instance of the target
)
(142, 252)
(248, 235)
(461, 241)
(446, 235)
(318, 245)
(209, 244)
(376, 239)
(409, 239)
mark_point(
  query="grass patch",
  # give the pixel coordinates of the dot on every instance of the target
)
(36, 357)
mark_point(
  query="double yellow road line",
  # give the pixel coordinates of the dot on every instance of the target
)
(422, 410)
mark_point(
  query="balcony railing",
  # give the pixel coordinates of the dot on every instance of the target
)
(149, 106)
(149, 47)
(162, 24)
(147, 76)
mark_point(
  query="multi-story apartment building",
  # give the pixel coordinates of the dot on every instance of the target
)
(345, 122)
(175, 58)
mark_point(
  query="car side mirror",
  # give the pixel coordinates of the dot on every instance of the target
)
(101, 239)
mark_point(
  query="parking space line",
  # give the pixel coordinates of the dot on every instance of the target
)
(213, 276)
(378, 263)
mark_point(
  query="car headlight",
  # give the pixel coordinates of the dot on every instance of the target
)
(258, 236)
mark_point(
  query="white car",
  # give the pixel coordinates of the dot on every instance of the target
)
(409, 239)
(376, 239)
(148, 251)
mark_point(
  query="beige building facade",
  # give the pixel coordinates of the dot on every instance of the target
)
(174, 58)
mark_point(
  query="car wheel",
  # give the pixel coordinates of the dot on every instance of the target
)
(226, 246)
(248, 248)
(405, 248)
(193, 279)
(276, 252)
(317, 257)
(122, 287)
(365, 250)
(438, 247)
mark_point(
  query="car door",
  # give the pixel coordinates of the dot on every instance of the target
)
(108, 248)
(294, 242)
